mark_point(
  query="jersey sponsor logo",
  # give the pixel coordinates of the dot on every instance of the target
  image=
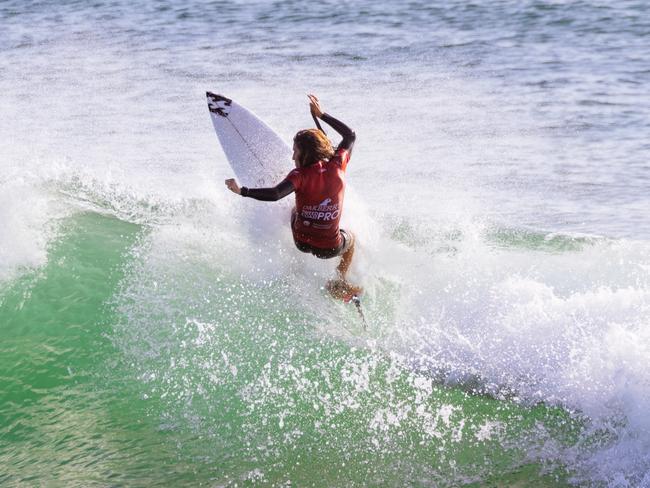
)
(330, 212)
(323, 211)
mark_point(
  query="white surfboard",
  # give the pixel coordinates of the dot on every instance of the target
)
(257, 155)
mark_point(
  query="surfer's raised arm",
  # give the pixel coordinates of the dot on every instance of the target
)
(346, 133)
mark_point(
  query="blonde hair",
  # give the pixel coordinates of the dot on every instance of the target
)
(313, 145)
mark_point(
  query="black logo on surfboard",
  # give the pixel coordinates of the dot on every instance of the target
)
(218, 104)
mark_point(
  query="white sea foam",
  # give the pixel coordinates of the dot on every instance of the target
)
(565, 328)
(24, 220)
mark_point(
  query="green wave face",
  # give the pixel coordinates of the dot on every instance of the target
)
(61, 423)
(121, 368)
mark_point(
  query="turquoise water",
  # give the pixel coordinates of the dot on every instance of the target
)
(99, 389)
(158, 331)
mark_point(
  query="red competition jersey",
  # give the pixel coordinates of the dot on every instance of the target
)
(319, 201)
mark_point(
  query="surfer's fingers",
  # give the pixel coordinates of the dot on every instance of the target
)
(314, 105)
(231, 183)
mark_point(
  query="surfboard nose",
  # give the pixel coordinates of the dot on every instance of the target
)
(214, 97)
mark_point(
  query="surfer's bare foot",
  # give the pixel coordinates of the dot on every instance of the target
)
(342, 290)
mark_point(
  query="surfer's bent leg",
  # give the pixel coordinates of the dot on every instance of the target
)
(347, 254)
(340, 288)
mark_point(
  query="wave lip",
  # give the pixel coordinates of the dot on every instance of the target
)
(26, 220)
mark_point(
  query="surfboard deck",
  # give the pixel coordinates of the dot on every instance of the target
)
(257, 155)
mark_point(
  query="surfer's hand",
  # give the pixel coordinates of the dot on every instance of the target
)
(232, 185)
(314, 106)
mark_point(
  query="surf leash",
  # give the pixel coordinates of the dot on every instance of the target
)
(357, 303)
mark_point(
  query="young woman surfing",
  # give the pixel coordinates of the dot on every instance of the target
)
(319, 184)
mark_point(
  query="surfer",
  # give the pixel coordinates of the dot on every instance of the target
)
(319, 183)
